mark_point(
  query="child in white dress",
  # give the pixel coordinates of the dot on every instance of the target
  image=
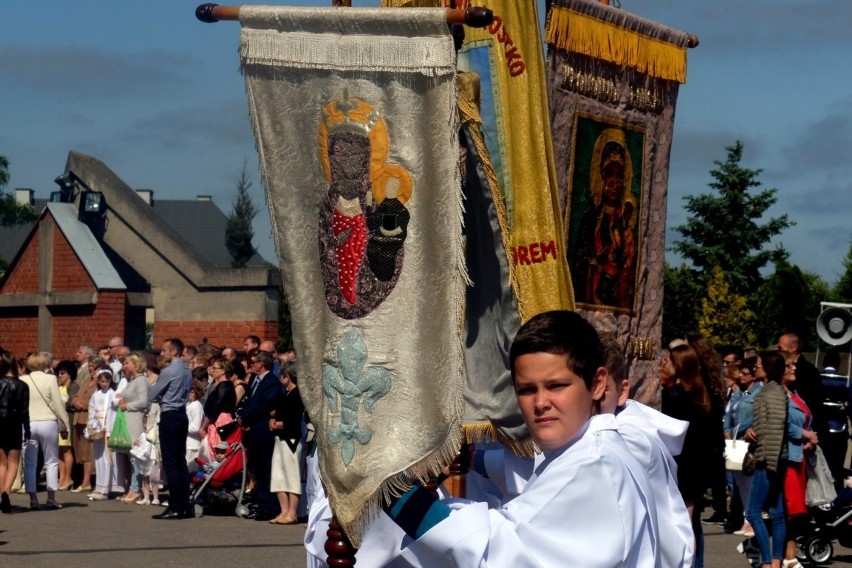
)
(101, 416)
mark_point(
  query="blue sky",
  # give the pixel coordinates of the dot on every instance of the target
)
(158, 97)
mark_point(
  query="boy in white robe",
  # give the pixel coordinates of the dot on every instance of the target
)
(654, 439)
(588, 503)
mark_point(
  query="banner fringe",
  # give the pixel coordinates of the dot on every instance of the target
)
(392, 54)
(581, 33)
(396, 485)
(478, 432)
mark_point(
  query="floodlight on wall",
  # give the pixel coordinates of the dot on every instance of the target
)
(92, 203)
(67, 183)
(93, 209)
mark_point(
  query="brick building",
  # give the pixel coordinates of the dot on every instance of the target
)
(82, 277)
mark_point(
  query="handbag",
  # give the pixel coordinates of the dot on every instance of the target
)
(95, 430)
(735, 451)
(141, 450)
(61, 426)
(820, 488)
(749, 461)
(119, 438)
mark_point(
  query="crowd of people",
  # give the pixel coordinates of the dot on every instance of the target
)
(647, 469)
(60, 418)
(771, 400)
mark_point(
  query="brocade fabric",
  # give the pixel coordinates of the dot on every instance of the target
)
(354, 113)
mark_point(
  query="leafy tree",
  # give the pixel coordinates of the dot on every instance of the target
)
(680, 300)
(842, 291)
(724, 227)
(238, 231)
(725, 317)
(787, 301)
(11, 212)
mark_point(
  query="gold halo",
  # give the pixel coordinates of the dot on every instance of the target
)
(406, 184)
(595, 181)
(362, 113)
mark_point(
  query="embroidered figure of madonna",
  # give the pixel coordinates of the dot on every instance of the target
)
(363, 219)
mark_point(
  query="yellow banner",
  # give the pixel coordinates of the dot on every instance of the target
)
(509, 59)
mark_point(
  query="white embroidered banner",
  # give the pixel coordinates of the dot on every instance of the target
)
(354, 112)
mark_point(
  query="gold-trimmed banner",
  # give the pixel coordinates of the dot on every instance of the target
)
(580, 33)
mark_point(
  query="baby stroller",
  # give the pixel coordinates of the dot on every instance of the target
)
(828, 523)
(226, 485)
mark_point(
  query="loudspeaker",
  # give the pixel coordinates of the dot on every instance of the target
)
(834, 324)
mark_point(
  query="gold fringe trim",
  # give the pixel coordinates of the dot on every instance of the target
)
(396, 485)
(580, 33)
(477, 432)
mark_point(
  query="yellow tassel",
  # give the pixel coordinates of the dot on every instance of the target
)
(579, 33)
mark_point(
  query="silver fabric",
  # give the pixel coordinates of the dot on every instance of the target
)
(383, 388)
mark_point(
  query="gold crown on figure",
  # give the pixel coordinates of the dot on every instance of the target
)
(349, 114)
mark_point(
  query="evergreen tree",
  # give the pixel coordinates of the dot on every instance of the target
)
(842, 291)
(724, 227)
(238, 230)
(725, 317)
(787, 302)
(680, 301)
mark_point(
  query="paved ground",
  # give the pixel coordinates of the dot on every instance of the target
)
(109, 534)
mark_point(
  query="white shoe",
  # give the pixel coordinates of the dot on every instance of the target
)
(155, 501)
(98, 497)
(143, 502)
(164, 503)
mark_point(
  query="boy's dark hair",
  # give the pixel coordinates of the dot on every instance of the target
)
(560, 332)
(613, 357)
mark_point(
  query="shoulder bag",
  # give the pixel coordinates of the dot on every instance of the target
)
(61, 426)
(735, 451)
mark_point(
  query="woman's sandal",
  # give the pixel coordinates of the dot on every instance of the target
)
(283, 521)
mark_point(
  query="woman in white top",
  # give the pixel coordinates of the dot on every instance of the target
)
(46, 412)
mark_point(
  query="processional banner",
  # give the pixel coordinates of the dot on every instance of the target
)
(513, 230)
(354, 113)
(613, 81)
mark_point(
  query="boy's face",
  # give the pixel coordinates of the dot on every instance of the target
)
(615, 395)
(554, 401)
